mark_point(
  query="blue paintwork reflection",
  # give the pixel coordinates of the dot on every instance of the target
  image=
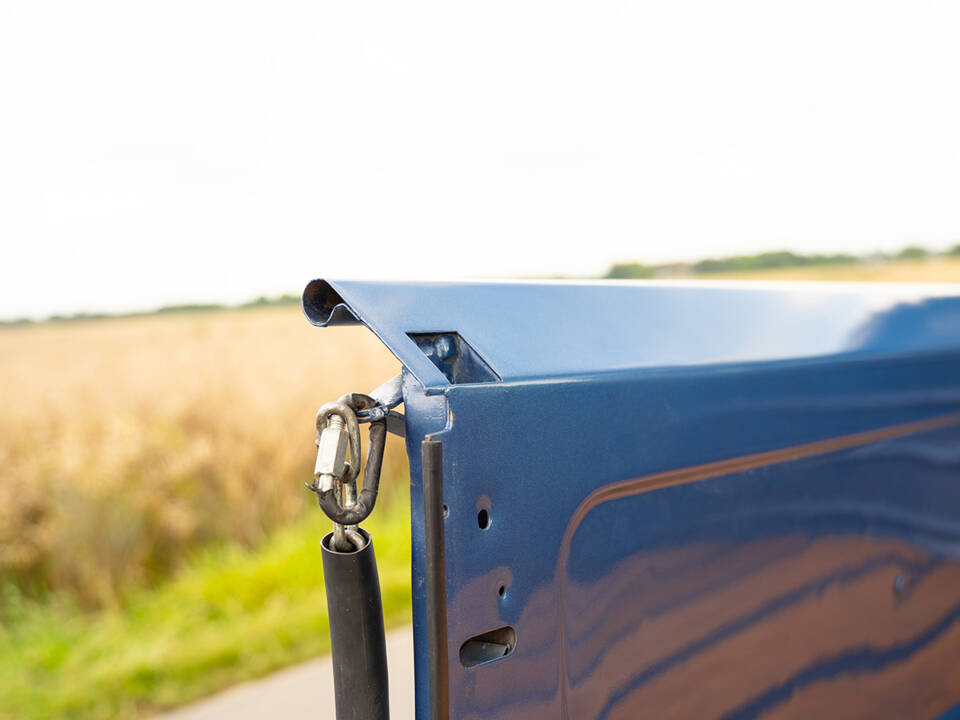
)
(792, 576)
(825, 585)
(660, 588)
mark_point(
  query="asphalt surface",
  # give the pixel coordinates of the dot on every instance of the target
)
(305, 691)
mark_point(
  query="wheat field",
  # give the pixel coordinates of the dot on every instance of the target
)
(156, 542)
(127, 443)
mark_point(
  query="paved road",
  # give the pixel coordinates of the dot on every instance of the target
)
(305, 692)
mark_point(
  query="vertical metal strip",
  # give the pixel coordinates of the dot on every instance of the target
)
(432, 457)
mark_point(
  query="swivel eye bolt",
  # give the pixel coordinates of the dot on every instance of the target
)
(445, 347)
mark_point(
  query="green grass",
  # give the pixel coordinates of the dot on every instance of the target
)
(229, 616)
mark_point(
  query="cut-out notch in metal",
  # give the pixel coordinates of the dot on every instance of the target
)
(488, 646)
(454, 357)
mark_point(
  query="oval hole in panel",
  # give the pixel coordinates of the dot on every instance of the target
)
(488, 647)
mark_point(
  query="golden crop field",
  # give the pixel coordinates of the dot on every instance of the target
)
(156, 541)
(126, 443)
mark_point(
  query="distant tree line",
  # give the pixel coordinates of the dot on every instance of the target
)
(761, 261)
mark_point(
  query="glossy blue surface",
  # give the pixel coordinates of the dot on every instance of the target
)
(704, 501)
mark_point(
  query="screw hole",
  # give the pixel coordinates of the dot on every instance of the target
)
(502, 591)
(483, 519)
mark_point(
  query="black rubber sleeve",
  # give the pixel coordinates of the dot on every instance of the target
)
(357, 642)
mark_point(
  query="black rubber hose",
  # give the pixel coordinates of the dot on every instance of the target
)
(357, 642)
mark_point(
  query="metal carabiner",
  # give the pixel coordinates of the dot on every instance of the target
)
(331, 446)
(338, 430)
(330, 460)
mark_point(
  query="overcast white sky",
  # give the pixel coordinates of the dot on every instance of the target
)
(205, 150)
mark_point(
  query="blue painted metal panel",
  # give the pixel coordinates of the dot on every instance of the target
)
(703, 500)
